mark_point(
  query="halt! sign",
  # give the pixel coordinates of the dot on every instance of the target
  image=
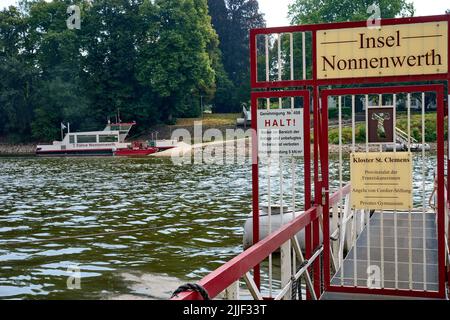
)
(393, 50)
(381, 180)
(280, 132)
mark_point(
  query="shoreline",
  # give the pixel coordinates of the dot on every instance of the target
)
(21, 149)
(17, 150)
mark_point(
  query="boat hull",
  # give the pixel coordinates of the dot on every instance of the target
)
(135, 153)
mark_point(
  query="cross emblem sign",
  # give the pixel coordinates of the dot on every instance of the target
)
(381, 117)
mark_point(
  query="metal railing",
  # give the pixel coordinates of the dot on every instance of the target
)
(226, 278)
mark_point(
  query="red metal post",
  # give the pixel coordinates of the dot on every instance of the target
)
(441, 189)
(307, 173)
(317, 155)
(255, 183)
(325, 184)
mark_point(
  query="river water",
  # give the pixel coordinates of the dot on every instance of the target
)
(147, 225)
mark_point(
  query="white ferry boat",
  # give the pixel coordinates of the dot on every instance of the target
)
(109, 142)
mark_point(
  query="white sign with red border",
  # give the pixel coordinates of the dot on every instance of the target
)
(280, 132)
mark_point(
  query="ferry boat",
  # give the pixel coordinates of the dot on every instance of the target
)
(109, 142)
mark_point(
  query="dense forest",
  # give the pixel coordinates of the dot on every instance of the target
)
(154, 61)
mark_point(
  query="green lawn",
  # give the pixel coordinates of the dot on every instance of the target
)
(212, 120)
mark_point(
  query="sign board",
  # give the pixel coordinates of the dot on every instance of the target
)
(381, 124)
(280, 132)
(381, 180)
(392, 50)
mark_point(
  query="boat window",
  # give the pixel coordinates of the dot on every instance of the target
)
(71, 138)
(86, 139)
(108, 138)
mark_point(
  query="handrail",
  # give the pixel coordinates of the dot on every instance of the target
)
(403, 135)
(236, 268)
(336, 197)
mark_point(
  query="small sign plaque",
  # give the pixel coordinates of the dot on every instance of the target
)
(381, 180)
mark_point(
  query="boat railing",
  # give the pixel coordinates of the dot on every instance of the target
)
(226, 278)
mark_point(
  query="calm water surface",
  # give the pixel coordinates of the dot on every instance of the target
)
(191, 218)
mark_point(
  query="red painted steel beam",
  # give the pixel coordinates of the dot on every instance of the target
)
(255, 183)
(351, 24)
(384, 90)
(333, 199)
(340, 25)
(236, 268)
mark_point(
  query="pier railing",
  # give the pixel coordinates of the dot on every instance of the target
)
(226, 278)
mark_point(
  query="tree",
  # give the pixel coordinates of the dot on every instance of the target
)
(152, 60)
(110, 34)
(233, 20)
(56, 50)
(319, 11)
(175, 59)
(17, 76)
(225, 99)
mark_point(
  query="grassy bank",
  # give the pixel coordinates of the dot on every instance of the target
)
(211, 120)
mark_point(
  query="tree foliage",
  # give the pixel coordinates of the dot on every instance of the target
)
(319, 11)
(233, 19)
(152, 60)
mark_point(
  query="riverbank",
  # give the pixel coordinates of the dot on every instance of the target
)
(29, 149)
(7, 149)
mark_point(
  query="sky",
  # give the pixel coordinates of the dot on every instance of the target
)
(276, 10)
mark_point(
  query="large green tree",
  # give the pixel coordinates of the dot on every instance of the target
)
(319, 11)
(18, 76)
(175, 59)
(56, 52)
(151, 60)
(233, 19)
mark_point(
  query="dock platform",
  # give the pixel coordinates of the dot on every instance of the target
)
(414, 254)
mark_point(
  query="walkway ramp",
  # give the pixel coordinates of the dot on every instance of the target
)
(405, 262)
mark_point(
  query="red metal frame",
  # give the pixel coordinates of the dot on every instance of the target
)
(255, 164)
(321, 115)
(233, 270)
(340, 25)
(439, 90)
